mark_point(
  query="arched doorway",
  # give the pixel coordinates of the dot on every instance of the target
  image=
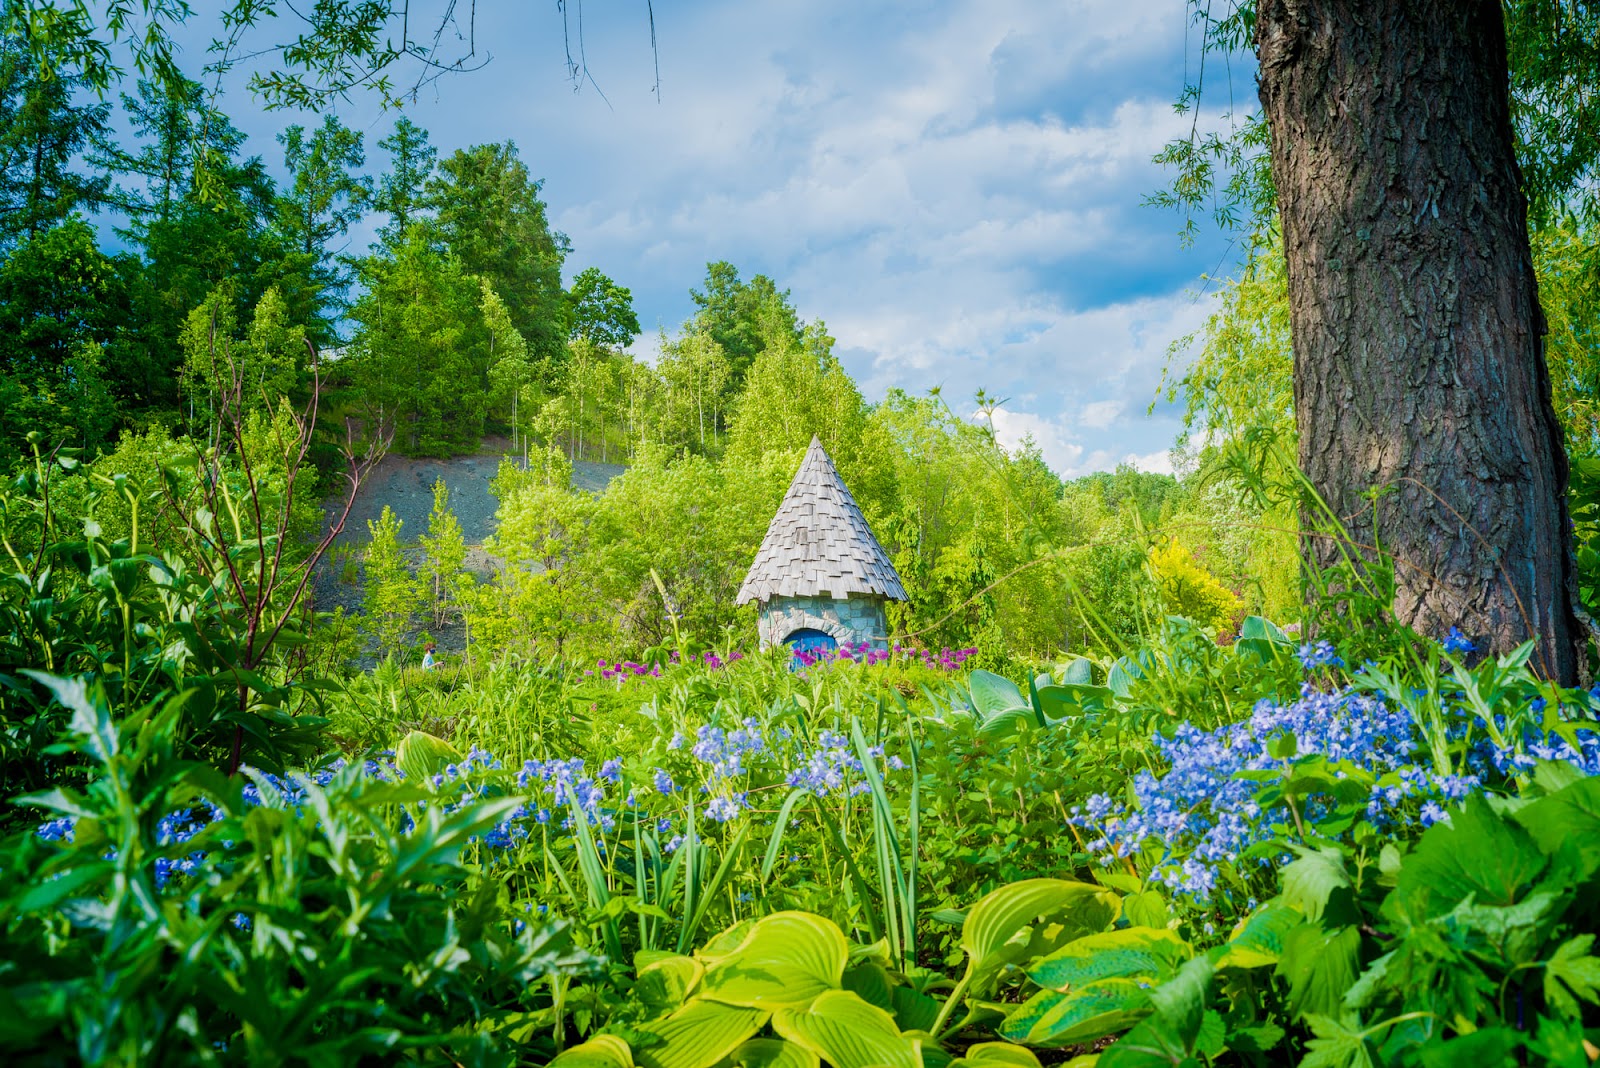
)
(811, 642)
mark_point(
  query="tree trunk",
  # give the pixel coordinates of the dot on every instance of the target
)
(1418, 338)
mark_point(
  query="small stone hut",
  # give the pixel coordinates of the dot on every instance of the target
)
(821, 578)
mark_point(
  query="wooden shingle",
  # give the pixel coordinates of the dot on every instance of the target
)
(819, 544)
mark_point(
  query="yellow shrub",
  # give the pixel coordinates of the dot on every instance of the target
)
(1189, 590)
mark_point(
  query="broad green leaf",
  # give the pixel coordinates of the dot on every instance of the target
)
(913, 1010)
(1050, 1018)
(996, 1055)
(1572, 969)
(1309, 882)
(1151, 1044)
(1492, 1047)
(421, 756)
(787, 958)
(1078, 673)
(993, 694)
(1258, 940)
(601, 1051)
(724, 943)
(1478, 852)
(664, 985)
(1146, 909)
(1320, 966)
(772, 1053)
(1259, 627)
(698, 1035)
(1181, 1001)
(1002, 914)
(847, 1032)
(1005, 724)
(1121, 677)
(1568, 822)
(1057, 702)
(871, 981)
(1132, 952)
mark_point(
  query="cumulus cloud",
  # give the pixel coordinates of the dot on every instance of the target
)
(955, 188)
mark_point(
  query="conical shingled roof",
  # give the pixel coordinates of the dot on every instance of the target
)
(819, 544)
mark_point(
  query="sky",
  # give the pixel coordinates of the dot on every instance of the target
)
(955, 187)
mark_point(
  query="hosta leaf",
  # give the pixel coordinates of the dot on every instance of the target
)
(1131, 952)
(787, 958)
(666, 984)
(993, 694)
(601, 1051)
(1054, 1019)
(421, 756)
(1258, 940)
(1078, 673)
(913, 1010)
(698, 1035)
(848, 1033)
(996, 1055)
(1265, 629)
(1002, 914)
(1006, 723)
(772, 1053)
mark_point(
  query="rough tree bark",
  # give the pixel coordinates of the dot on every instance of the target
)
(1418, 338)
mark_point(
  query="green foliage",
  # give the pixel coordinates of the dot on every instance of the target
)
(421, 348)
(120, 954)
(391, 596)
(446, 552)
(602, 311)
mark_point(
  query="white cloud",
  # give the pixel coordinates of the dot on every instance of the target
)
(1155, 463)
(955, 188)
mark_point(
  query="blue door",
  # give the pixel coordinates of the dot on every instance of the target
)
(813, 643)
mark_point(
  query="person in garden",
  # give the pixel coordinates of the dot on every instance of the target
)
(428, 662)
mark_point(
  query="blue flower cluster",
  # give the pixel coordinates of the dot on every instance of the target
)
(1321, 654)
(1202, 815)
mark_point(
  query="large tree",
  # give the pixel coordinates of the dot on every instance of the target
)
(490, 215)
(1421, 391)
(45, 133)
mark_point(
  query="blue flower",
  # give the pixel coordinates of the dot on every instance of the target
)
(1458, 644)
(1322, 654)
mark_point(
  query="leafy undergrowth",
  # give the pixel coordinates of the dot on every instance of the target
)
(1194, 854)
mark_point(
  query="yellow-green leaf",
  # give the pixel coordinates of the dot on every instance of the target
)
(847, 1032)
(601, 1051)
(1133, 951)
(787, 958)
(698, 1035)
(772, 1053)
(667, 983)
(996, 1055)
(1054, 1019)
(1258, 940)
(421, 756)
(1004, 913)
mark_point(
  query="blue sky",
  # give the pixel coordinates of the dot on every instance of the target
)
(954, 186)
